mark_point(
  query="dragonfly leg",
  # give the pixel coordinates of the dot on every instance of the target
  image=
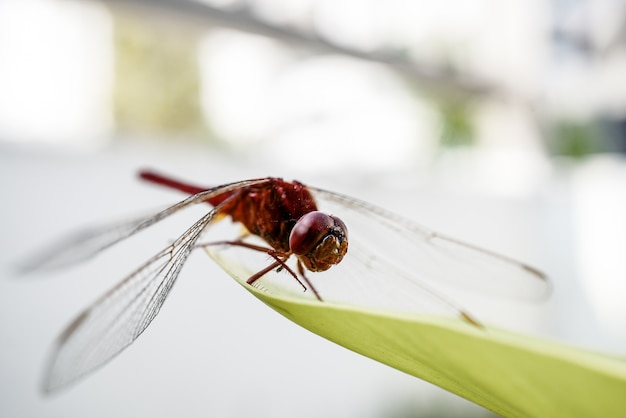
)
(240, 243)
(306, 279)
(280, 259)
(256, 276)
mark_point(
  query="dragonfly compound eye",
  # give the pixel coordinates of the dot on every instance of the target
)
(319, 240)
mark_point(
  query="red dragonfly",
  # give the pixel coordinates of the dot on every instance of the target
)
(392, 263)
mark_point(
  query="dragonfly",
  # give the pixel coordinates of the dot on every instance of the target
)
(390, 262)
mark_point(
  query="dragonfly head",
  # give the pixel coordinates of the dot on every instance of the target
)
(319, 240)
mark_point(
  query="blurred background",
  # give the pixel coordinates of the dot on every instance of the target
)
(502, 123)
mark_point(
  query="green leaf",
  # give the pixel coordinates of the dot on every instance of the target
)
(510, 374)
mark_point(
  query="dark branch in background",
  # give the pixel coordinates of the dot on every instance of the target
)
(442, 81)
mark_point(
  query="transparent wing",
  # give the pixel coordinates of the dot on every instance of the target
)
(121, 315)
(81, 245)
(87, 243)
(115, 320)
(392, 262)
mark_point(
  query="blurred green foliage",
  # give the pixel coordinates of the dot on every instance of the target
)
(573, 139)
(157, 80)
(457, 128)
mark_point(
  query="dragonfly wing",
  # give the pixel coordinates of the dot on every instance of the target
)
(81, 246)
(87, 243)
(115, 320)
(394, 246)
